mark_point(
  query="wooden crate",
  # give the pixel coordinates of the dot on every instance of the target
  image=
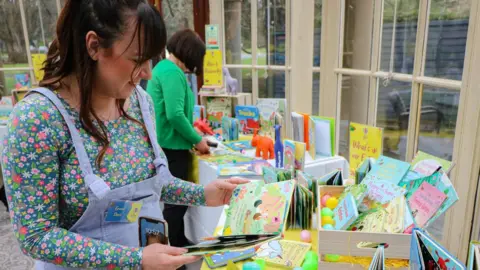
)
(345, 242)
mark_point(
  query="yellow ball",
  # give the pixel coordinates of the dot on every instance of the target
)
(332, 202)
(327, 220)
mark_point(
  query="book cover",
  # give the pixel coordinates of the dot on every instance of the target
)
(321, 136)
(198, 112)
(363, 169)
(379, 194)
(345, 213)
(333, 178)
(283, 253)
(387, 169)
(248, 117)
(300, 149)
(298, 127)
(222, 258)
(365, 141)
(230, 128)
(272, 112)
(424, 202)
(289, 155)
(473, 256)
(217, 108)
(239, 145)
(427, 164)
(246, 169)
(259, 208)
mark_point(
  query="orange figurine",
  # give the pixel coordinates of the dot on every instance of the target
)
(264, 146)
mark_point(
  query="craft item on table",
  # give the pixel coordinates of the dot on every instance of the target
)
(302, 209)
(425, 202)
(230, 128)
(203, 126)
(263, 145)
(395, 219)
(221, 259)
(272, 175)
(217, 108)
(231, 84)
(378, 261)
(278, 147)
(249, 118)
(272, 112)
(363, 169)
(283, 253)
(427, 164)
(245, 169)
(365, 141)
(345, 213)
(474, 256)
(426, 253)
(259, 208)
(440, 181)
(334, 178)
(239, 145)
(198, 113)
(358, 191)
(321, 135)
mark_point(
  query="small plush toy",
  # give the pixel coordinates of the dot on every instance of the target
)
(203, 126)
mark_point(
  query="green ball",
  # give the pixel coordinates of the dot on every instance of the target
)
(327, 212)
(261, 263)
(332, 257)
(311, 255)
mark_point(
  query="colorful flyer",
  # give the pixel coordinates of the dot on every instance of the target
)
(213, 69)
(365, 141)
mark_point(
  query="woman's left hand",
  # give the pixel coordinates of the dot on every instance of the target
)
(220, 191)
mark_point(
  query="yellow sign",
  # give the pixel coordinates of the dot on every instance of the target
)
(365, 141)
(212, 69)
(38, 59)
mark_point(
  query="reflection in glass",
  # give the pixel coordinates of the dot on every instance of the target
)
(447, 38)
(317, 30)
(271, 84)
(12, 43)
(358, 33)
(393, 111)
(405, 35)
(177, 15)
(238, 32)
(315, 93)
(11, 79)
(271, 32)
(353, 107)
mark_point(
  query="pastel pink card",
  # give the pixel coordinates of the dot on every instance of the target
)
(425, 202)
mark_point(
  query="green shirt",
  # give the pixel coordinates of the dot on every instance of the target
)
(173, 101)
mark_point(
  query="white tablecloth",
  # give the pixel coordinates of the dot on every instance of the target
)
(200, 222)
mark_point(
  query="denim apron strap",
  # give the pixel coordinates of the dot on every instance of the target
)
(94, 183)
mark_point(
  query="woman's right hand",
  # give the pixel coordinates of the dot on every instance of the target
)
(157, 256)
(203, 147)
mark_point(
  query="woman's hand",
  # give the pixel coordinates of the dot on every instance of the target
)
(220, 191)
(157, 256)
(203, 147)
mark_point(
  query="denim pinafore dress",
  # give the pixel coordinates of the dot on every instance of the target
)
(92, 223)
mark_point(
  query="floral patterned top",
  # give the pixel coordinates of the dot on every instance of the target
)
(46, 191)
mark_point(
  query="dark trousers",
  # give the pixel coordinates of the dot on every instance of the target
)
(179, 164)
(3, 197)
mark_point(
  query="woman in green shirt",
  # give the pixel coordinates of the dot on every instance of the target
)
(174, 102)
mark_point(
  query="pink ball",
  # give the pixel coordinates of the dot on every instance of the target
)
(306, 236)
(324, 199)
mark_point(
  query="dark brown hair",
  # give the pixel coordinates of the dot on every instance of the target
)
(68, 52)
(188, 47)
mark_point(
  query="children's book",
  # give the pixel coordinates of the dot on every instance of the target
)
(249, 118)
(425, 202)
(300, 149)
(6, 107)
(234, 243)
(387, 169)
(198, 112)
(474, 256)
(289, 155)
(378, 261)
(363, 169)
(239, 145)
(272, 112)
(395, 219)
(244, 169)
(358, 191)
(259, 208)
(302, 209)
(345, 213)
(300, 128)
(225, 158)
(379, 194)
(230, 128)
(427, 164)
(426, 253)
(439, 180)
(321, 136)
(310, 182)
(334, 178)
(273, 175)
(221, 259)
(283, 253)
(217, 108)
(365, 141)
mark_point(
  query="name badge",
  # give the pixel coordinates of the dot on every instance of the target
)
(123, 211)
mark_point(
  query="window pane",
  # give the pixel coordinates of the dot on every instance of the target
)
(393, 108)
(405, 35)
(354, 107)
(447, 38)
(315, 93)
(358, 33)
(271, 32)
(177, 15)
(437, 121)
(244, 77)
(10, 80)
(12, 43)
(317, 30)
(238, 32)
(41, 17)
(271, 84)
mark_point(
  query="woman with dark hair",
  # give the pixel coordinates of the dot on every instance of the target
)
(174, 101)
(85, 143)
